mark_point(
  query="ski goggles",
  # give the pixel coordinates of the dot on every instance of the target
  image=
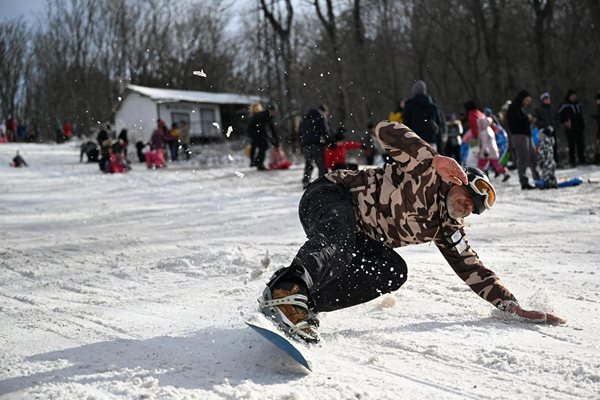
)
(484, 194)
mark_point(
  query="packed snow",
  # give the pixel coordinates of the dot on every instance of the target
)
(138, 285)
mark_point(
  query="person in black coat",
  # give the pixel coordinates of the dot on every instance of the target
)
(315, 134)
(423, 116)
(519, 124)
(261, 131)
(571, 116)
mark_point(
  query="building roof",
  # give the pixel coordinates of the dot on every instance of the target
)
(171, 95)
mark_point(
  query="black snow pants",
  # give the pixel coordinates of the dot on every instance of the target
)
(340, 267)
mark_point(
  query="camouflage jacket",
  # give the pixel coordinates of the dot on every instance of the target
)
(405, 203)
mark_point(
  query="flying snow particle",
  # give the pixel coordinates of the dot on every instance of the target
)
(239, 174)
(119, 98)
(265, 262)
(229, 131)
(200, 73)
(216, 125)
(230, 157)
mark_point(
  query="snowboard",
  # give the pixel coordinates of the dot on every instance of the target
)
(288, 345)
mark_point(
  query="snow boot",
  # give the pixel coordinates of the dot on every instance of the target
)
(287, 306)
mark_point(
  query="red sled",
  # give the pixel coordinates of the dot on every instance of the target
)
(279, 159)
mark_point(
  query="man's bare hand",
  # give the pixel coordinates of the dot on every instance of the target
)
(537, 316)
(449, 170)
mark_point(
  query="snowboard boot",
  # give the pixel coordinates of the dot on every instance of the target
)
(287, 306)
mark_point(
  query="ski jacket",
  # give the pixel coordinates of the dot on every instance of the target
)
(572, 116)
(546, 116)
(337, 154)
(518, 120)
(488, 148)
(405, 203)
(422, 116)
(314, 128)
(261, 129)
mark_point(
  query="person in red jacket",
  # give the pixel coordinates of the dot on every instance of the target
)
(67, 130)
(335, 153)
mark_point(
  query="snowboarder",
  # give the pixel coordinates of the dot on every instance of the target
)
(355, 219)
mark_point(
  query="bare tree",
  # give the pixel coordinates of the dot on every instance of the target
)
(543, 11)
(330, 25)
(14, 37)
(282, 25)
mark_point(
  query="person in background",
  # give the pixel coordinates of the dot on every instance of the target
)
(172, 139)
(155, 158)
(104, 140)
(184, 138)
(368, 144)
(18, 161)
(422, 115)
(11, 128)
(596, 116)
(519, 124)
(123, 137)
(454, 142)
(546, 160)
(315, 132)
(571, 115)
(21, 132)
(398, 114)
(261, 131)
(90, 149)
(58, 131)
(335, 153)
(67, 130)
(546, 116)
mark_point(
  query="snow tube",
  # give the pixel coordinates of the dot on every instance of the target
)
(535, 136)
(502, 142)
(564, 182)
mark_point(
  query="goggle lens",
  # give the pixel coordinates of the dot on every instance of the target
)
(486, 190)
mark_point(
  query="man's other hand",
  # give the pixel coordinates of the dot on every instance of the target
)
(537, 316)
(449, 170)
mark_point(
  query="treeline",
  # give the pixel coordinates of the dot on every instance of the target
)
(357, 56)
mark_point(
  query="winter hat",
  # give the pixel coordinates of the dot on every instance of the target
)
(419, 88)
(323, 108)
(506, 105)
(544, 95)
(470, 105)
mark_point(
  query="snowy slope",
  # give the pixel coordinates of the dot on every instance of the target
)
(137, 286)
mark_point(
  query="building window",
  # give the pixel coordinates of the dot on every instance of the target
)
(207, 118)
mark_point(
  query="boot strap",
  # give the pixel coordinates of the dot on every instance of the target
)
(298, 300)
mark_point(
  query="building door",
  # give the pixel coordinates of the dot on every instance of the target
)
(208, 116)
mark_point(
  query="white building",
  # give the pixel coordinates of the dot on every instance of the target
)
(141, 107)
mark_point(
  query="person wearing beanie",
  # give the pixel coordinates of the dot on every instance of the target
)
(571, 115)
(547, 117)
(596, 117)
(519, 123)
(315, 133)
(422, 115)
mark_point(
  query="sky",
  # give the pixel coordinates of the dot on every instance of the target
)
(10, 9)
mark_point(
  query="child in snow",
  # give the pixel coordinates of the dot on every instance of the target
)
(335, 153)
(545, 158)
(488, 148)
(18, 161)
